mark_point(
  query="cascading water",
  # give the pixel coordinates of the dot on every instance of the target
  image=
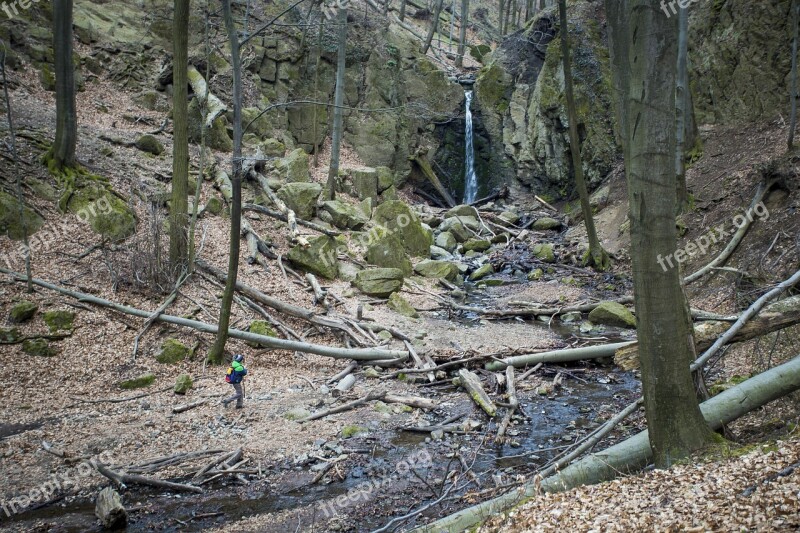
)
(470, 179)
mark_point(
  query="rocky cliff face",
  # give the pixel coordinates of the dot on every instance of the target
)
(520, 97)
(740, 59)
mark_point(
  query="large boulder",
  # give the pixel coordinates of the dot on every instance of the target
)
(431, 268)
(59, 320)
(217, 137)
(173, 351)
(456, 228)
(400, 305)
(294, 167)
(22, 312)
(344, 215)
(446, 241)
(182, 384)
(319, 258)
(379, 282)
(612, 314)
(260, 327)
(92, 200)
(301, 198)
(398, 218)
(11, 223)
(387, 251)
(461, 211)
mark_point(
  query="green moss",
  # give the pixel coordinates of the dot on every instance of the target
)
(261, 327)
(183, 384)
(173, 351)
(22, 312)
(9, 335)
(493, 87)
(47, 77)
(11, 224)
(38, 347)
(352, 431)
(58, 320)
(145, 380)
(149, 144)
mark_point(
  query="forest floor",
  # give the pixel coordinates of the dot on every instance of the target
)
(64, 400)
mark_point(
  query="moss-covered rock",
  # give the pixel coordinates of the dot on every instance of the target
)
(353, 431)
(482, 272)
(183, 383)
(10, 335)
(400, 305)
(214, 205)
(301, 198)
(261, 327)
(461, 211)
(297, 413)
(431, 268)
(380, 282)
(387, 251)
(476, 245)
(139, 382)
(398, 218)
(93, 201)
(173, 351)
(456, 228)
(148, 143)
(294, 167)
(47, 78)
(365, 183)
(217, 137)
(22, 312)
(38, 347)
(446, 241)
(11, 224)
(544, 252)
(612, 314)
(345, 216)
(273, 148)
(546, 223)
(320, 257)
(59, 320)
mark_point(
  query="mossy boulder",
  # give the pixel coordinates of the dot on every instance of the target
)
(612, 314)
(446, 241)
(482, 272)
(301, 198)
(261, 327)
(297, 413)
(379, 282)
(294, 167)
(461, 211)
(398, 218)
(38, 347)
(476, 245)
(431, 268)
(10, 335)
(386, 178)
(59, 320)
(151, 145)
(139, 382)
(456, 228)
(22, 312)
(344, 215)
(47, 78)
(217, 137)
(273, 148)
(365, 183)
(546, 223)
(93, 201)
(320, 257)
(214, 206)
(11, 224)
(353, 431)
(544, 252)
(387, 251)
(173, 351)
(183, 383)
(400, 305)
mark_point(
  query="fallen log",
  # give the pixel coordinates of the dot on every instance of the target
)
(779, 315)
(413, 401)
(122, 480)
(512, 399)
(186, 407)
(634, 453)
(359, 354)
(108, 508)
(472, 384)
(214, 106)
(421, 160)
(558, 356)
(379, 395)
(344, 385)
(284, 218)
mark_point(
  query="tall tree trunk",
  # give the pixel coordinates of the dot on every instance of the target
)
(596, 256)
(338, 103)
(666, 341)
(506, 17)
(63, 151)
(20, 199)
(682, 110)
(793, 119)
(402, 9)
(502, 14)
(434, 25)
(180, 139)
(315, 131)
(215, 356)
(462, 35)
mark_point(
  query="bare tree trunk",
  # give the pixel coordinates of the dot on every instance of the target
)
(17, 170)
(316, 89)
(62, 154)
(793, 119)
(666, 342)
(500, 17)
(596, 256)
(338, 102)
(180, 139)
(215, 356)
(434, 24)
(682, 110)
(462, 35)
(402, 9)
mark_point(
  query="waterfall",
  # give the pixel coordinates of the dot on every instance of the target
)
(470, 179)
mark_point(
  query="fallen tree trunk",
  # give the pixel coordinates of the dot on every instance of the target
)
(558, 356)
(359, 354)
(422, 161)
(183, 408)
(122, 480)
(634, 453)
(379, 395)
(214, 106)
(513, 401)
(472, 384)
(413, 401)
(284, 218)
(779, 315)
